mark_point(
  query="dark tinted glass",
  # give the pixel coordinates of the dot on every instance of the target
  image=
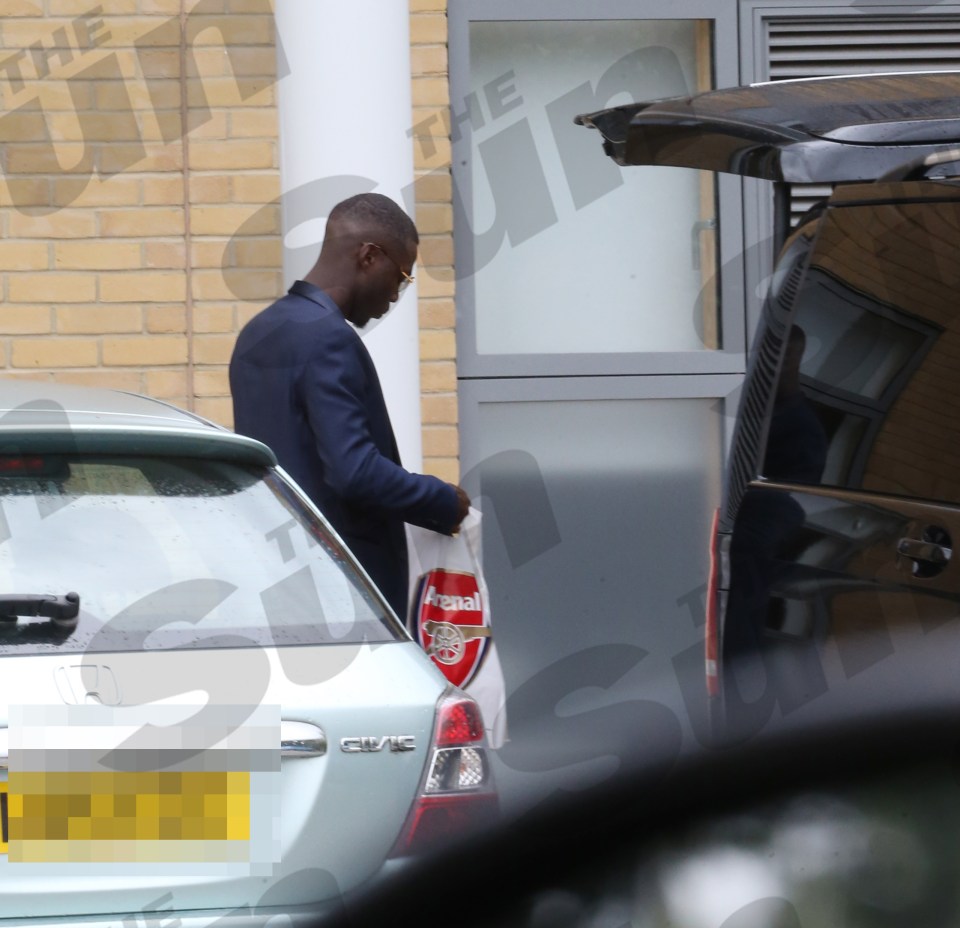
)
(867, 394)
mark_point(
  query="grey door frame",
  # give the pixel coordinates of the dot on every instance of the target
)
(723, 388)
(730, 358)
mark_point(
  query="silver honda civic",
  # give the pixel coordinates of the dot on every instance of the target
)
(207, 711)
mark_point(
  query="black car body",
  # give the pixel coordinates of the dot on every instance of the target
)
(842, 494)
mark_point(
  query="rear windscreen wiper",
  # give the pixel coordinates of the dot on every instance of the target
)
(62, 609)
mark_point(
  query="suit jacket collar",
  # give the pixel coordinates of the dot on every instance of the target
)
(322, 298)
(314, 294)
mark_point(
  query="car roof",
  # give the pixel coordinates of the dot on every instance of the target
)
(817, 130)
(38, 417)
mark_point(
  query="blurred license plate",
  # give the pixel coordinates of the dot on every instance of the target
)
(125, 815)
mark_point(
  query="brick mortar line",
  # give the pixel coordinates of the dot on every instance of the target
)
(187, 232)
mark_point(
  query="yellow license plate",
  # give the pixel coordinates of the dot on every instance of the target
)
(108, 815)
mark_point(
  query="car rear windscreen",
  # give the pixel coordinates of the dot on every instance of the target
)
(173, 553)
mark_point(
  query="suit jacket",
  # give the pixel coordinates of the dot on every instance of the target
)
(304, 383)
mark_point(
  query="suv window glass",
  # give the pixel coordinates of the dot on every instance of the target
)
(866, 396)
(174, 553)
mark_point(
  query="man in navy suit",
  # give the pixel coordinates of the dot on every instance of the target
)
(304, 384)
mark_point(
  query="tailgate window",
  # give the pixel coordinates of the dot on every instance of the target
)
(174, 553)
(866, 393)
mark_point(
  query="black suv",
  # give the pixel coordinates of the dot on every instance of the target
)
(842, 495)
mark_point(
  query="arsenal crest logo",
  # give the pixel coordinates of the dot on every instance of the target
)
(449, 623)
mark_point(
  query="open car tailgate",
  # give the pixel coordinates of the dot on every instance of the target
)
(822, 130)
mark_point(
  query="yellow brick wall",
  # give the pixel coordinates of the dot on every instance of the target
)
(116, 231)
(117, 223)
(438, 369)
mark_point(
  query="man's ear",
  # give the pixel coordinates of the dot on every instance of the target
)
(365, 256)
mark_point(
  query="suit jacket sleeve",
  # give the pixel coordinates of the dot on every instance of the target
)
(349, 420)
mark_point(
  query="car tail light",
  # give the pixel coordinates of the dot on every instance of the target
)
(712, 629)
(457, 792)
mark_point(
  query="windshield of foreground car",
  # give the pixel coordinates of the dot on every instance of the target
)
(174, 553)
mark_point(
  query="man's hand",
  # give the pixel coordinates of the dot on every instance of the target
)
(463, 505)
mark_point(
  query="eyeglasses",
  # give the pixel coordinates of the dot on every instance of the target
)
(407, 278)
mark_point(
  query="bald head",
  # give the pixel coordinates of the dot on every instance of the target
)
(369, 217)
(368, 252)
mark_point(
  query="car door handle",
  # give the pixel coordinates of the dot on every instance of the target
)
(301, 739)
(926, 551)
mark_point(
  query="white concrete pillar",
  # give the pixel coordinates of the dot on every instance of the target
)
(345, 110)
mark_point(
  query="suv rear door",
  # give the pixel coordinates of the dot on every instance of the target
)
(839, 510)
(844, 493)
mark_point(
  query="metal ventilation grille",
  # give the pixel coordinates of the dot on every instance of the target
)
(826, 46)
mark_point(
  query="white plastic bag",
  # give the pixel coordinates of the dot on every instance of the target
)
(449, 616)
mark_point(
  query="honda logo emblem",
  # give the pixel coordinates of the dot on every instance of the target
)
(87, 684)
